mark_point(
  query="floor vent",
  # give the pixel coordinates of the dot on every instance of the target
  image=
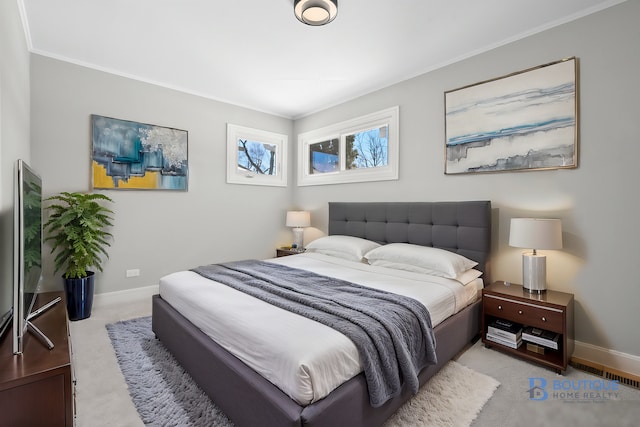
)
(587, 368)
(606, 372)
(624, 378)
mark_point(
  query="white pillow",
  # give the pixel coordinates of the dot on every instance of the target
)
(422, 259)
(468, 276)
(346, 247)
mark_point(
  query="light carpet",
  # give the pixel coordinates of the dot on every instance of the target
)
(165, 395)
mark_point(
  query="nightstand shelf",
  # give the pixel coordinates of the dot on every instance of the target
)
(551, 311)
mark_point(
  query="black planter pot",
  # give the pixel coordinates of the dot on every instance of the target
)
(79, 296)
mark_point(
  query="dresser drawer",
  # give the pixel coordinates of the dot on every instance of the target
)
(529, 314)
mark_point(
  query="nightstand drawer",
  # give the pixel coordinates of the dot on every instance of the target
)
(548, 318)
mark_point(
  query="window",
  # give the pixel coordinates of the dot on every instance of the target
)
(324, 157)
(367, 149)
(358, 150)
(256, 157)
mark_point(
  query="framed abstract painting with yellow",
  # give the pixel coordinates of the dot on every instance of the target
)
(138, 156)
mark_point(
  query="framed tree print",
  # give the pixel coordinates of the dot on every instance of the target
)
(256, 157)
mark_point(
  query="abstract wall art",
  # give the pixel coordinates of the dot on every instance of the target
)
(527, 120)
(138, 156)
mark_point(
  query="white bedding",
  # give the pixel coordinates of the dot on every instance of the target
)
(305, 359)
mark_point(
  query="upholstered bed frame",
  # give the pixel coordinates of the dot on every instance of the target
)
(250, 400)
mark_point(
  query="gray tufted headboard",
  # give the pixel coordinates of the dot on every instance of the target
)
(462, 227)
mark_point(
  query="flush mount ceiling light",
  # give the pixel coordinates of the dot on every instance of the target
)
(315, 12)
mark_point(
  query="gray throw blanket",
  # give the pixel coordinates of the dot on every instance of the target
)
(392, 333)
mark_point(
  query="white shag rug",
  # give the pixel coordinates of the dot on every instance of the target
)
(165, 395)
(451, 398)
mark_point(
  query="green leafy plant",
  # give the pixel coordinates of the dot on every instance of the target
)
(76, 229)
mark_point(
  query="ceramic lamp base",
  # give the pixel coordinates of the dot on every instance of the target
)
(298, 237)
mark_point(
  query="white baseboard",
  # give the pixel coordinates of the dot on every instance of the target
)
(613, 359)
(125, 296)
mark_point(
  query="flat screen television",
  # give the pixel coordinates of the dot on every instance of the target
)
(27, 256)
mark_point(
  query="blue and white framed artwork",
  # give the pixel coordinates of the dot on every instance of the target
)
(526, 120)
(138, 156)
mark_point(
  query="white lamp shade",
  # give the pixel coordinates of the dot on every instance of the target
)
(536, 233)
(298, 219)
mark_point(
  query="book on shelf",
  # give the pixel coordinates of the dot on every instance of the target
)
(540, 336)
(535, 348)
(506, 329)
(506, 342)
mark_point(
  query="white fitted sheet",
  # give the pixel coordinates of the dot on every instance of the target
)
(305, 359)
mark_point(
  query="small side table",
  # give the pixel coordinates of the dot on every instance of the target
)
(288, 251)
(551, 311)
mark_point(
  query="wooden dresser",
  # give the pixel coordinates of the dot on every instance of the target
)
(36, 388)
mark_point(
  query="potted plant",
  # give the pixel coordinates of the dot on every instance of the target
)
(76, 228)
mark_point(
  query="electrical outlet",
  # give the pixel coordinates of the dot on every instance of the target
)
(133, 273)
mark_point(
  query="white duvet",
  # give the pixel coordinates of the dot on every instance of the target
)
(305, 359)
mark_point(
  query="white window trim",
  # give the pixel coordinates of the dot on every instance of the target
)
(234, 176)
(388, 117)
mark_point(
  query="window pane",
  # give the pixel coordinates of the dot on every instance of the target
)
(257, 157)
(324, 157)
(357, 150)
(368, 149)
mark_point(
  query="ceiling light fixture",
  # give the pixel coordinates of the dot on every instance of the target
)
(315, 12)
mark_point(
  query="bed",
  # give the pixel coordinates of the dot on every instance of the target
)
(249, 399)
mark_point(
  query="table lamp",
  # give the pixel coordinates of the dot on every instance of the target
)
(535, 233)
(297, 220)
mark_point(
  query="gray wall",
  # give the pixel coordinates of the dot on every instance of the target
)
(161, 232)
(14, 133)
(157, 232)
(598, 202)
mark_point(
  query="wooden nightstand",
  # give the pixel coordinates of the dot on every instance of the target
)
(551, 311)
(286, 252)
